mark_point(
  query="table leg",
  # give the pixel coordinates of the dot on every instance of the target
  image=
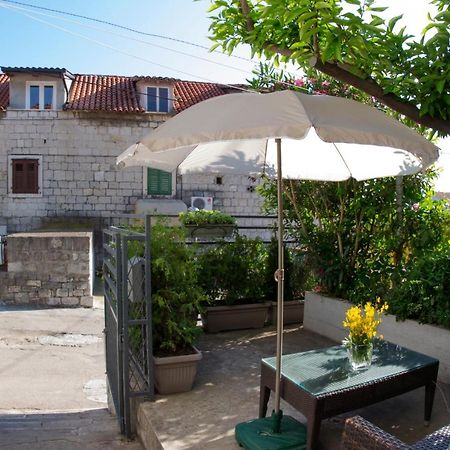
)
(313, 431)
(264, 395)
(430, 389)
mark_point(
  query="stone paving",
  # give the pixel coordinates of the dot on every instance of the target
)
(226, 392)
(52, 388)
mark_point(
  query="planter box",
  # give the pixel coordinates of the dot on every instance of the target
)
(324, 315)
(293, 312)
(235, 317)
(175, 374)
(210, 231)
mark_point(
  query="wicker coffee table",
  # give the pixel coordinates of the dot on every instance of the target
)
(321, 384)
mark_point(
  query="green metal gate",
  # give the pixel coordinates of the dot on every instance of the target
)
(128, 326)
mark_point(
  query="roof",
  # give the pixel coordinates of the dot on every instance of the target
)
(49, 70)
(115, 93)
(188, 93)
(103, 93)
(4, 91)
(119, 94)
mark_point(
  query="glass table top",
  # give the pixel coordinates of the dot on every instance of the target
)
(327, 370)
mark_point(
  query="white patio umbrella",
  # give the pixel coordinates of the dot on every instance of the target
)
(294, 135)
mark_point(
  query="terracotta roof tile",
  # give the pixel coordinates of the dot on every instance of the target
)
(188, 93)
(114, 93)
(4, 91)
(103, 93)
(48, 70)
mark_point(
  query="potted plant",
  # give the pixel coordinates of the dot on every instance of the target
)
(232, 275)
(205, 223)
(176, 300)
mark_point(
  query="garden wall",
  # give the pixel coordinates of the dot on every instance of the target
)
(54, 268)
(324, 315)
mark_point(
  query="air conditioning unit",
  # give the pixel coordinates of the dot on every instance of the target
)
(202, 203)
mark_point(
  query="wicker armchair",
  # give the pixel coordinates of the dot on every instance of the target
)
(359, 434)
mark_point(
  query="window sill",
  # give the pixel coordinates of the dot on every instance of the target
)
(12, 195)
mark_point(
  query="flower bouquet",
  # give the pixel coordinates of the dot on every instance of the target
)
(362, 323)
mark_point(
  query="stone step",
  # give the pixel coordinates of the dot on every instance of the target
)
(68, 430)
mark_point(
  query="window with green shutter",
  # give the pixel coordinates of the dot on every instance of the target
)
(159, 182)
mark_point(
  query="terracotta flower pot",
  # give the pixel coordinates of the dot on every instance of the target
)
(174, 374)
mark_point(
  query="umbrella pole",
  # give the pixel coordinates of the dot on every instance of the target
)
(276, 432)
(279, 277)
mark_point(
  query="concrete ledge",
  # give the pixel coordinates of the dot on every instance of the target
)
(145, 429)
(324, 315)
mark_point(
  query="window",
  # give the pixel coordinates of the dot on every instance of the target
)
(159, 182)
(25, 175)
(40, 95)
(158, 99)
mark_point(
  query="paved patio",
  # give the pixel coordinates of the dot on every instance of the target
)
(227, 392)
(52, 381)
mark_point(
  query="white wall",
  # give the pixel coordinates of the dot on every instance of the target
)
(324, 315)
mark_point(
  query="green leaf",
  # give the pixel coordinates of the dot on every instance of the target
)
(353, 2)
(322, 5)
(213, 47)
(440, 85)
(216, 5)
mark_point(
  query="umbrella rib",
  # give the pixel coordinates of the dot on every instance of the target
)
(265, 158)
(343, 160)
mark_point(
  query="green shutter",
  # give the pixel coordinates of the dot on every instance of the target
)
(159, 182)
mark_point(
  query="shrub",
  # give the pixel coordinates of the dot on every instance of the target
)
(177, 297)
(205, 217)
(377, 238)
(234, 271)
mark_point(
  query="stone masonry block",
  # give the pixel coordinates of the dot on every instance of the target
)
(87, 301)
(53, 301)
(13, 289)
(62, 292)
(70, 301)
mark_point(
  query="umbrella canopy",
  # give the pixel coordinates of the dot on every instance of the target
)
(323, 138)
(340, 139)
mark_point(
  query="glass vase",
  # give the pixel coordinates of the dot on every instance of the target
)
(360, 356)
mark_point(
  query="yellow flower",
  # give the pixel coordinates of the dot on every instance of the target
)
(363, 321)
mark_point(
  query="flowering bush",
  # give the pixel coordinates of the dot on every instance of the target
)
(362, 322)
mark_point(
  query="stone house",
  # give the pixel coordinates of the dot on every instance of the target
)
(60, 134)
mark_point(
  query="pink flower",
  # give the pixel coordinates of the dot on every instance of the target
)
(299, 82)
(325, 84)
(415, 207)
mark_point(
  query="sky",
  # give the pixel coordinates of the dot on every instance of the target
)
(44, 39)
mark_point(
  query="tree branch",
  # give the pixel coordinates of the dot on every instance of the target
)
(392, 101)
(366, 85)
(245, 9)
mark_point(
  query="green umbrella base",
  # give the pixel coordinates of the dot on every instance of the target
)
(258, 434)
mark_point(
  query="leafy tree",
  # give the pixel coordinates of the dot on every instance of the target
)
(350, 41)
(360, 239)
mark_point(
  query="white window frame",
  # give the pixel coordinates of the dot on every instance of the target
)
(144, 97)
(41, 85)
(10, 176)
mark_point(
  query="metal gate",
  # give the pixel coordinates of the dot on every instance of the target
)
(128, 326)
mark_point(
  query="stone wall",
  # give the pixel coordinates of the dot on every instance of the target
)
(79, 173)
(54, 269)
(81, 183)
